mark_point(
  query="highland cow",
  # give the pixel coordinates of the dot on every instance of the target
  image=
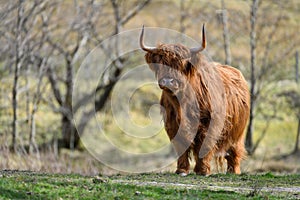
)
(205, 105)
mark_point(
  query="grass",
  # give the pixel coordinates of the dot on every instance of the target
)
(30, 185)
(279, 139)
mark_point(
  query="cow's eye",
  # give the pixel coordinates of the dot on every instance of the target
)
(188, 68)
(157, 58)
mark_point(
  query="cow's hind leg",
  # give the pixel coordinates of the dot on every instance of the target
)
(234, 156)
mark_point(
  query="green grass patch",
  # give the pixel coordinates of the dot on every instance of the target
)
(29, 185)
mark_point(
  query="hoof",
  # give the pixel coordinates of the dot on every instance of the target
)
(202, 174)
(183, 174)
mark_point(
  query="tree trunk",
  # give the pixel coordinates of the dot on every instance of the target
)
(226, 35)
(249, 135)
(17, 65)
(182, 16)
(27, 94)
(70, 136)
(32, 144)
(15, 105)
(36, 100)
(69, 132)
(297, 66)
(297, 150)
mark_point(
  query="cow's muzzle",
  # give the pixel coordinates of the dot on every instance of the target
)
(168, 83)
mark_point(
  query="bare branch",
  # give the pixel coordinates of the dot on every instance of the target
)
(253, 18)
(134, 12)
(53, 81)
(226, 35)
(275, 27)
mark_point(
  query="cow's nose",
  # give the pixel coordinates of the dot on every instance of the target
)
(166, 82)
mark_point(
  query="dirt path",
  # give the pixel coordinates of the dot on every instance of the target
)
(295, 191)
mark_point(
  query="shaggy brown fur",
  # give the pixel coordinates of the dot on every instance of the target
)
(207, 109)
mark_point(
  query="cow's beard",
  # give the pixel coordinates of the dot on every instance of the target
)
(179, 93)
(172, 91)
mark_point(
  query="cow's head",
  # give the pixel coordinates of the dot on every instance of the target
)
(171, 63)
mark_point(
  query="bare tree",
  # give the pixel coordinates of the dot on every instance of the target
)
(84, 27)
(22, 36)
(17, 65)
(23, 44)
(253, 18)
(266, 65)
(297, 66)
(37, 96)
(68, 50)
(297, 143)
(105, 87)
(40, 59)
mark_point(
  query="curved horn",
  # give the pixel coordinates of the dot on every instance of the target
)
(202, 47)
(144, 47)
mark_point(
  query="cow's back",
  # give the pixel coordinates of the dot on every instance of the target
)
(237, 101)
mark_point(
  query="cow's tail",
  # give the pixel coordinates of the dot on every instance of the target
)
(220, 162)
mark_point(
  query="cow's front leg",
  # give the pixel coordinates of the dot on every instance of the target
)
(202, 166)
(183, 164)
(182, 147)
